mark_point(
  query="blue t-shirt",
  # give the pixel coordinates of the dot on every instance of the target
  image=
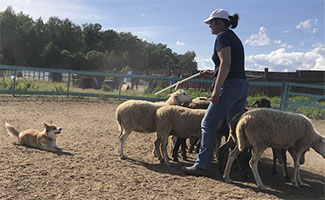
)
(229, 39)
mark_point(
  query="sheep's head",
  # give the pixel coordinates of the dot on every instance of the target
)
(179, 97)
(322, 151)
(319, 145)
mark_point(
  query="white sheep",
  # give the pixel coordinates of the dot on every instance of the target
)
(139, 116)
(261, 128)
(179, 121)
(198, 103)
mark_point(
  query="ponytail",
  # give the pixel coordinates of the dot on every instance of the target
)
(234, 20)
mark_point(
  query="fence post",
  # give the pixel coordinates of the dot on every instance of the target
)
(285, 96)
(68, 84)
(266, 77)
(120, 88)
(14, 83)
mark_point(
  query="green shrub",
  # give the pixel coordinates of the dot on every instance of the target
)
(155, 86)
(6, 84)
(26, 85)
(58, 88)
(107, 88)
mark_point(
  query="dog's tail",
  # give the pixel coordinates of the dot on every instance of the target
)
(11, 130)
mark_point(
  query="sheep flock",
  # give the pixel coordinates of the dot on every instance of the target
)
(252, 131)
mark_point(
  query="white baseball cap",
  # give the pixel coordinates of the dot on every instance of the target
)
(218, 13)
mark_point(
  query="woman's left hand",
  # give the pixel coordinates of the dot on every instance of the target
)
(215, 97)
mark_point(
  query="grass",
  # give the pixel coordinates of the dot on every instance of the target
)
(36, 85)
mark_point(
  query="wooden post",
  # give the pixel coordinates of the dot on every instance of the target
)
(14, 83)
(266, 77)
(68, 84)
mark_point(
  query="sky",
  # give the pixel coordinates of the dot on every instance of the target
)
(281, 35)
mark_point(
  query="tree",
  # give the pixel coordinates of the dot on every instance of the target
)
(8, 23)
(79, 61)
(51, 56)
(67, 59)
(109, 40)
(186, 62)
(39, 37)
(91, 37)
(96, 60)
(61, 43)
(24, 37)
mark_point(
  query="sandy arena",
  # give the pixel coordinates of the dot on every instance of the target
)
(90, 167)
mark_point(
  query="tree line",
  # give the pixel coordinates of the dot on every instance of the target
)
(60, 43)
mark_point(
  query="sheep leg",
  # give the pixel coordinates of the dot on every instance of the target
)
(193, 142)
(296, 175)
(176, 147)
(253, 163)
(284, 163)
(301, 161)
(224, 151)
(183, 147)
(275, 157)
(157, 148)
(216, 148)
(218, 138)
(124, 134)
(243, 161)
(299, 177)
(164, 143)
(231, 157)
(198, 146)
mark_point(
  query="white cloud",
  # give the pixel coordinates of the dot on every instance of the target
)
(304, 25)
(281, 60)
(320, 61)
(285, 45)
(282, 45)
(259, 39)
(179, 43)
(308, 25)
(204, 63)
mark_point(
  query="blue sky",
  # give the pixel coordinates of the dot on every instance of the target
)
(283, 35)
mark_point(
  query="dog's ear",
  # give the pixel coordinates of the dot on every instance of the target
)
(46, 126)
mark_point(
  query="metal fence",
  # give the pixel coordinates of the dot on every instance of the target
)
(119, 80)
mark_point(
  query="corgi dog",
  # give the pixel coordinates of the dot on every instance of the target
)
(45, 140)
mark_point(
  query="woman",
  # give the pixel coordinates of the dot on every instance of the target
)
(230, 88)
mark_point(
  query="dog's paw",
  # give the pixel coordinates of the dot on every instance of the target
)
(54, 149)
(58, 149)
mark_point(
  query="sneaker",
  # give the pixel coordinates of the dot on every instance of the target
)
(195, 171)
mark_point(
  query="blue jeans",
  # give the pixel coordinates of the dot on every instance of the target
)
(233, 97)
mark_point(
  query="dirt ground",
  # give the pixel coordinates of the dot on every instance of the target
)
(89, 166)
